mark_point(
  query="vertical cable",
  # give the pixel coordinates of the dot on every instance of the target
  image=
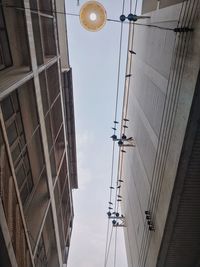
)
(108, 242)
(115, 249)
(136, 1)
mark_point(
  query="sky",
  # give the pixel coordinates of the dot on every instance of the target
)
(94, 61)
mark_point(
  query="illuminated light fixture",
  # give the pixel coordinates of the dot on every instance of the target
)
(93, 16)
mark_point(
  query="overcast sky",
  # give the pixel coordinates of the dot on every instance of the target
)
(94, 62)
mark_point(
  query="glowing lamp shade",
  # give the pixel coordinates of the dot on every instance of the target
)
(93, 16)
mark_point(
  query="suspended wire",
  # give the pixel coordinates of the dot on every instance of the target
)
(112, 170)
(38, 9)
(108, 249)
(115, 249)
(110, 199)
(77, 15)
(126, 102)
(119, 70)
(126, 94)
(108, 243)
(116, 208)
(118, 83)
(119, 172)
(143, 24)
(128, 71)
(136, 1)
(131, 5)
(120, 160)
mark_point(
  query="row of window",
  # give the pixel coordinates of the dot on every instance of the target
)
(14, 37)
(23, 132)
(23, 129)
(12, 212)
(17, 142)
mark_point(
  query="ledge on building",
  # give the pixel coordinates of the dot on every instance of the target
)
(70, 124)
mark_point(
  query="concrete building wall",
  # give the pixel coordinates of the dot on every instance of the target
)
(158, 107)
(35, 184)
(152, 5)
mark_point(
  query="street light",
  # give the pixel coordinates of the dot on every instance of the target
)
(93, 16)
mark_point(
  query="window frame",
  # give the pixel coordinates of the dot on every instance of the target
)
(5, 52)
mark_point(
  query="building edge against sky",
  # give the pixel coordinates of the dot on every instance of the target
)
(161, 174)
(38, 167)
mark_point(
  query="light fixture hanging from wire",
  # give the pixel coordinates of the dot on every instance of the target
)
(93, 16)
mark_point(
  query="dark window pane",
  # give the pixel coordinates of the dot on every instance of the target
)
(24, 194)
(48, 36)
(1, 18)
(16, 152)
(19, 123)
(15, 100)
(12, 133)
(7, 108)
(49, 132)
(46, 6)
(53, 164)
(53, 82)
(5, 56)
(21, 176)
(22, 141)
(2, 64)
(26, 163)
(30, 181)
(56, 116)
(44, 93)
(5, 48)
(37, 38)
(33, 4)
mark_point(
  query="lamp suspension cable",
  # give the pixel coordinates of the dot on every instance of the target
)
(77, 15)
(130, 6)
(136, 1)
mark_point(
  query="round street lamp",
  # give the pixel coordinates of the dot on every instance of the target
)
(93, 16)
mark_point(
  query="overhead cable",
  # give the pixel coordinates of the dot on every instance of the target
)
(36, 10)
(107, 250)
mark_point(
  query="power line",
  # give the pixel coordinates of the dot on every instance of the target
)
(143, 24)
(136, 1)
(119, 70)
(113, 150)
(108, 249)
(130, 6)
(36, 10)
(107, 234)
(115, 249)
(110, 198)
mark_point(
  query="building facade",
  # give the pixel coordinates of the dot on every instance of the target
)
(37, 135)
(162, 172)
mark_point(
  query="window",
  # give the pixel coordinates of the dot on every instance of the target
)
(5, 56)
(17, 142)
(41, 258)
